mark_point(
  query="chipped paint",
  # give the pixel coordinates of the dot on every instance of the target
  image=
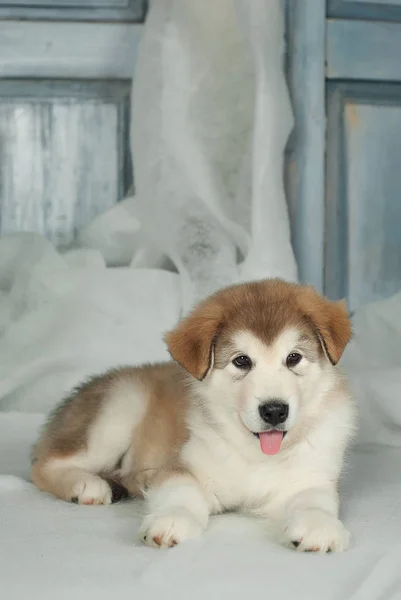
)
(351, 115)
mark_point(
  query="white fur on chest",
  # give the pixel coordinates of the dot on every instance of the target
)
(232, 481)
(242, 477)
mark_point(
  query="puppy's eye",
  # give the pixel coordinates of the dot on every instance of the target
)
(242, 362)
(293, 359)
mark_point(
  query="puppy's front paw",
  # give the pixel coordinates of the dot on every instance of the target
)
(314, 530)
(166, 531)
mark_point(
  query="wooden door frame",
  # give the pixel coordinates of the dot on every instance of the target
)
(38, 49)
(305, 165)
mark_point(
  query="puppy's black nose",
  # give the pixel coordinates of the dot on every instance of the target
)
(274, 412)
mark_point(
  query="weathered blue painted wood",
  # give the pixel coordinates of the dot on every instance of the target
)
(305, 154)
(363, 191)
(92, 10)
(68, 50)
(64, 154)
(363, 50)
(69, 3)
(381, 10)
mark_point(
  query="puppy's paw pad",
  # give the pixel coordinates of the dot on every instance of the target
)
(166, 531)
(91, 489)
(316, 531)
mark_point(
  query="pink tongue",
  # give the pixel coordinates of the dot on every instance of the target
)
(270, 441)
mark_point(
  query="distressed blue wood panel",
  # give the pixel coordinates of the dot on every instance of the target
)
(305, 31)
(68, 3)
(363, 50)
(68, 50)
(363, 207)
(381, 10)
(92, 10)
(63, 155)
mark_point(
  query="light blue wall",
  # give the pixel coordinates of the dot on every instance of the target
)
(344, 167)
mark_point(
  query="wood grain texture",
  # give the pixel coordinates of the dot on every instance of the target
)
(68, 50)
(305, 153)
(380, 10)
(63, 155)
(363, 191)
(363, 50)
(74, 10)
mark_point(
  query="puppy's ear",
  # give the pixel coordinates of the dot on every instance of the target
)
(192, 342)
(331, 323)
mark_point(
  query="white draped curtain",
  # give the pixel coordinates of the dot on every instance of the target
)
(210, 120)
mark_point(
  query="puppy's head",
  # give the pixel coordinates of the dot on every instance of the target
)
(261, 350)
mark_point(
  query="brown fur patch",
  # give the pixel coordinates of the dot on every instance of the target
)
(66, 430)
(265, 308)
(160, 435)
(191, 342)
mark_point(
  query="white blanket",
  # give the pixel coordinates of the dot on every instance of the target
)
(63, 319)
(53, 550)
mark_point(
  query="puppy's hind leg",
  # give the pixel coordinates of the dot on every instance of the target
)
(71, 482)
(80, 447)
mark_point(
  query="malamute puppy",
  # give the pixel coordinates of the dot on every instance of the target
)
(251, 414)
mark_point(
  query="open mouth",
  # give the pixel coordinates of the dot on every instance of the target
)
(270, 441)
